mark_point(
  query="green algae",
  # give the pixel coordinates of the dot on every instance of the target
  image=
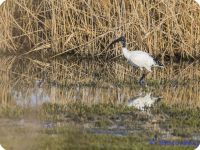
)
(74, 134)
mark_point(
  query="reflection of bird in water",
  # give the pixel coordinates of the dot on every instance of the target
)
(198, 148)
(138, 58)
(144, 101)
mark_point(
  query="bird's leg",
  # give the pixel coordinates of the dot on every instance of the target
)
(142, 79)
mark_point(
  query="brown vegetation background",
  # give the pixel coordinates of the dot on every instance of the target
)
(85, 27)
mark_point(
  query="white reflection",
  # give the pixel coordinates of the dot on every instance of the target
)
(144, 101)
(198, 148)
(37, 97)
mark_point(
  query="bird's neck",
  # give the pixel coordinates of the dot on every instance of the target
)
(125, 52)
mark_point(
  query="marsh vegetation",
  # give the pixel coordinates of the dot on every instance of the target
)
(61, 88)
(93, 97)
(84, 28)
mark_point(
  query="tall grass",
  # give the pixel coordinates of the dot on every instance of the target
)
(84, 27)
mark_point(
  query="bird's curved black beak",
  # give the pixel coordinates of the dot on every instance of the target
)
(122, 38)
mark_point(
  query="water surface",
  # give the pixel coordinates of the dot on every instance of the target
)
(40, 98)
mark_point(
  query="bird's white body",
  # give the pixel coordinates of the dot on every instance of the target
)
(139, 59)
(198, 1)
(1, 2)
(1, 148)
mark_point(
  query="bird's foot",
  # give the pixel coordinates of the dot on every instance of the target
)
(142, 80)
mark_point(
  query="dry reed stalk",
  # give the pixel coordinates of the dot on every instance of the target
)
(54, 27)
(66, 79)
(65, 72)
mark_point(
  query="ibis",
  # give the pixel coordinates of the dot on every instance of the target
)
(138, 59)
(1, 2)
(1, 148)
(198, 1)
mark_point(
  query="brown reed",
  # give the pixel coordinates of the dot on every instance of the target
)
(92, 82)
(84, 27)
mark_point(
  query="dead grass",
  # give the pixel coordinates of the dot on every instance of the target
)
(55, 27)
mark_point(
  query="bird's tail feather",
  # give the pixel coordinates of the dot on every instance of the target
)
(160, 66)
(158, 63)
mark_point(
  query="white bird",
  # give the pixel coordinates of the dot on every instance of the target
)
(1, 148)
(1, 2)
(198, 1)
(138, 58)
(143, 101)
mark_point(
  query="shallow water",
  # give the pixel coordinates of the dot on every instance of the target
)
(100, 98)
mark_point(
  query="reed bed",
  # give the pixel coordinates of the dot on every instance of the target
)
(52, 28)
(64, 72)
(63, 82)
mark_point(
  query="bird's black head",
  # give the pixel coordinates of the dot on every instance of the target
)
(121, 39)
